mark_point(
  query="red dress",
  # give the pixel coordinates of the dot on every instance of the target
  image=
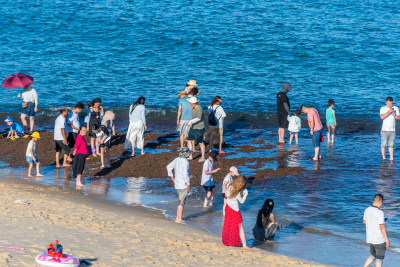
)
(230, 231)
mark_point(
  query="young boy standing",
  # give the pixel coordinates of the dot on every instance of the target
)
(60, 138)
(377, 238)
(15, 128)
(331, 121)
(207, 178)
(294, 126)
(74, 124)
(104, 136)
(31, 157)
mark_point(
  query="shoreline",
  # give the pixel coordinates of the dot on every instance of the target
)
(84, 225)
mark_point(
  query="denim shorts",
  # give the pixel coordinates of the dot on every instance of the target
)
(30, 160)
(316, 137)
(30, 110)
(387, 138)
(377, 251)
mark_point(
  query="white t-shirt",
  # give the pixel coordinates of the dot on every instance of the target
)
(389, 123)
(219, 115)
(73, 119)
(207, 179)
(228, 179)
(31, 145)
(294, 124)
(60, 123)
(373, 217)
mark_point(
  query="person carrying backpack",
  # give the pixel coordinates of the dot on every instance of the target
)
(216, 115)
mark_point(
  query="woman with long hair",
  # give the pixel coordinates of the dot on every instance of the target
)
(232, 231)
(137, 126)
(266, 225)
(94, 117)
(216, 123)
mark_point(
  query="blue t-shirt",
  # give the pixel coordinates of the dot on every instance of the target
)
(186, 109)
(329, 116)
(16, 127)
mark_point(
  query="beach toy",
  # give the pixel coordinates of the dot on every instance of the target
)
(55, 257)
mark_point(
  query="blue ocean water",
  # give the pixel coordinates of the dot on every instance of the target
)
(241, 50)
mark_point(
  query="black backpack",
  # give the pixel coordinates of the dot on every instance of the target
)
(212, 120)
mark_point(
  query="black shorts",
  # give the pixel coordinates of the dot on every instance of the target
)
(378, 251)
(60, 146)
(282, 120)
(106, 144)
(78, 164)
(71, 139)
(197, 135)
(209, 188)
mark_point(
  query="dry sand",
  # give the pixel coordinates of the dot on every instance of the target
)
(104, 234)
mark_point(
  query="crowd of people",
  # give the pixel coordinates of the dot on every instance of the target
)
(70, 138)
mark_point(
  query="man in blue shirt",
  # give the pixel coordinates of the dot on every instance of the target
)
(183, 118)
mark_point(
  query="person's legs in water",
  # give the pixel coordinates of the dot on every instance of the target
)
(58, 159)
(290, 139)
(242, 236)
(37, 170)
(281, 134)
(333, 134)
(317, 153)
(296, 136)
(329, 134)
(212, 197)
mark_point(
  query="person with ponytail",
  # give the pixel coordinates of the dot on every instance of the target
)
(216, 123)
(137, 126)
(266, 225)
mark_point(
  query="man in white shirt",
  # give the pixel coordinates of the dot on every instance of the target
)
(207, 180)
(73, 126)
(388, 114)
(181, 179)
(374, 221)
(60, 138)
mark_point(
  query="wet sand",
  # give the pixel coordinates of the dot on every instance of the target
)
(104, 234)
(161, 149)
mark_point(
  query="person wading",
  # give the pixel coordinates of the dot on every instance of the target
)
(283, 109)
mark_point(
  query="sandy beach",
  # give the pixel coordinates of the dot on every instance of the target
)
(104, 234)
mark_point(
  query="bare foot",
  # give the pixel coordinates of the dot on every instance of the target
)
(180, 221)
(58, 166)
(29, 175)
(142, 152)
(246, 247)
(97, 153)
(39, 175)
(69, 159)
(66, 165)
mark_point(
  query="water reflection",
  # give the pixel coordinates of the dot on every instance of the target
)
(134, 186)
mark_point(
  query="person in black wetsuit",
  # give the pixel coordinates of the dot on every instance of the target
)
(283, 108)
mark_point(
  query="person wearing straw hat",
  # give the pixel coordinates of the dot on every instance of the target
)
(189, 86)
(31, 157)
(181, 179)
(196, 133)
(15, 128)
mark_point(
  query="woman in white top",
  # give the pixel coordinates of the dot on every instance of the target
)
(29, 107)
(232, 231)
(137, 126)
(216, 123)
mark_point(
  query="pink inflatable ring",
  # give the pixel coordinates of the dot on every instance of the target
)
(66, 260)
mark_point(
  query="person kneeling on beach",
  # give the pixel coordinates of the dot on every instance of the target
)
(60, 138)
(374, 220)
(232, 231)
(80, 154)
(181, 179)
(104, 137)
(31, 157)
(207, 178)
(15, 128)
(266, 225)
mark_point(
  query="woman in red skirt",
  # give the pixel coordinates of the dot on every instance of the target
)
(233, 232)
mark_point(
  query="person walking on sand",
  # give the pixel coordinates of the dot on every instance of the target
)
(29, 107)
(31, 157)
(233, 172)
(374, 220)
(94, 117)
(181, 179)
(196, 133)
(283, 109)
(80, 154)
(137, 126)
(266, 225)
(60, 138)
(294, 126)
(183, 118)
(207, 180)
(315, 124)
(74, 125)
(331, 121)
(389, 114)
(216, 122)
(232, 231)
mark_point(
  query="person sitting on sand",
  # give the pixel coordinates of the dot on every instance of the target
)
(15, 128)
(60, 138)
(181, 179)
(104, 140)
(183, 118)
(73, 125)
(196, 133)
(31, 157)
(232, 231)
(207, 178)
(216, 123)
(80, 154)
(137, 126)
(316, 127)
(109, 120)
(233, 172)
(266, 226)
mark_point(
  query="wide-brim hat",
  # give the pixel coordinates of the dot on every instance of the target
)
(234, 170)
(9, 119)
(35, 135)
(213, 155)
(192, 83)
(185, 152)
(193, 100)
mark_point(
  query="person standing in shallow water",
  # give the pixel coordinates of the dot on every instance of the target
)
(314, 122)
(137, 126)
(283, 109)
(388, 115)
